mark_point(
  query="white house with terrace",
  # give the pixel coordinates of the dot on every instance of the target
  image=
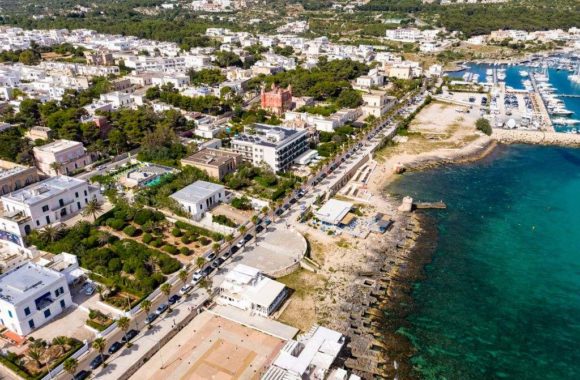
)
(43, 203)
(30, 296)
(61, 157)
(248, 289)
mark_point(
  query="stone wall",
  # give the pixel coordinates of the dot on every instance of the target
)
(536, 137)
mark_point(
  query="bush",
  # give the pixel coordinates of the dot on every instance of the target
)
(185, 240)
(130, 231)
(198, 230)
(185, 251)
(170, 249)
(242, 203)
(143, 216)
(156, 243)
(483, 125)
(176, 232)
(147, 238)
(223, 220)
(117, 224)
(204, 241)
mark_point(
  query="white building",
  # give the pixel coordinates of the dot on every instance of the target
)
(199, 197)
(333, 212)
(68, 155)
(30, 296)
(309, 357)
(377, 103)
(404, 34)
(275, 146)
(248, 289)
(43, 203)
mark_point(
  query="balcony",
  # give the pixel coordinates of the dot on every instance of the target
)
(64, 204)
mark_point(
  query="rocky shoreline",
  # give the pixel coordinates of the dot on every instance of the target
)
(380, 297)
(536, 137)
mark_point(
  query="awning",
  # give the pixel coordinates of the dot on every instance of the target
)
(348, 218)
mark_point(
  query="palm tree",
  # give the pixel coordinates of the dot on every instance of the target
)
(93, 208)
(70, 365)
(99, 345)
(216, 247)
(228, 238)
(123, 323)
(242, 229)
(51, 233)
(206, 284)
(255, 222)
(56, 166)
(103, 237)
(265, 210)
(146, 306)
(182, 276)
(165, 289)
(200, 262)
(35, 353)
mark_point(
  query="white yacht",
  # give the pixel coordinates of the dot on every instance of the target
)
(524, 73)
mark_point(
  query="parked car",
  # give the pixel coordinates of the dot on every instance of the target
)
(82, 375)
(97, 361)
(241, 243)
(220, 261)
(185, 289)
(161, 308)
(247, 238)
(150, 318)
(259, 229)
(115, 347)
(129, 335)
(88, 289)
(210, 256)
(227, 254)
(173, 299)
(267, 222)
(234, 249)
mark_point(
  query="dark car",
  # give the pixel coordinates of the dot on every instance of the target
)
(286, 206)
(82, 375)
(150, 318)
(279, 212)
(247, 238)
(173, 299)
(292, 201)
(259, 229)
(129, 335)
(227, 254)
(96, 362)
(215, 264)
(115, 347)
(234, 249)
(220, 260)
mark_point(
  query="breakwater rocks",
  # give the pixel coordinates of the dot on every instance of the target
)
(380, 298)
(536, 137)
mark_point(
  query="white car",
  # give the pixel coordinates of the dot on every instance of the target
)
(185, 289)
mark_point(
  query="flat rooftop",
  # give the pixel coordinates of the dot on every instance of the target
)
(58, 146)
(197, 191)
(267, 135)
(19, 283)
(210, 157)
(44, 190)
(212, 347)
(8, 169)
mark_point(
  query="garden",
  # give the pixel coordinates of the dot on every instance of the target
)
(40, 356)
(261, 182)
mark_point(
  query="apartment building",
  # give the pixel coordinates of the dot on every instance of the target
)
(43, 203)
(30, 296)
(61, 157)
(277, 100)
(216, 163)
(275, 146)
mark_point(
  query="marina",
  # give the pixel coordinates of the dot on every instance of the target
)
(538, 94)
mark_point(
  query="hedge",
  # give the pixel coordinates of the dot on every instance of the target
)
(199, 230)
(170, 249)
(130, 231)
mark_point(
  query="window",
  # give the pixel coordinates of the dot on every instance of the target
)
(26, 310)
(38, 222)
(61, 290)
(45, 208)
(85, 193)
(10, 314)
(76, 194)
(31, 324)
(48, 219)
(62, 304)
(47, 313)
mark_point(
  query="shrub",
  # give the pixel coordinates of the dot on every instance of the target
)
(147, 238)
(483, 125)
(185, 240)
(156, 243)
(176, 232)
(185, 251)
(170, 249)
(223, 220)
(143, 216)
(130, 231)
(204, 241)
(117, 224)
(242, 203)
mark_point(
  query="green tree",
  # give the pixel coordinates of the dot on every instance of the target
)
(70, 365)
(123, 323)
(99, 344)
(483, 125)
(93, 208)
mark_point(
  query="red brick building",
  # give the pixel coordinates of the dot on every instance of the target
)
(277, 100)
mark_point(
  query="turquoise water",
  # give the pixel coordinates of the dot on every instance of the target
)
(501, 298)
(557, 78)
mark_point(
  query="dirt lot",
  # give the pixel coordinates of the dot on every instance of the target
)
(238, 216)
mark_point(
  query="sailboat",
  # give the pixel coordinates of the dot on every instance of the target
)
(575, 77)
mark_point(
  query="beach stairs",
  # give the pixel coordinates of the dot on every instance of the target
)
(309, 264)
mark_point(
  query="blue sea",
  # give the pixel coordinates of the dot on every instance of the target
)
(557, 78)
(501, 298)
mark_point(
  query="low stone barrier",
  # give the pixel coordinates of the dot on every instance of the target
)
(508, 136)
